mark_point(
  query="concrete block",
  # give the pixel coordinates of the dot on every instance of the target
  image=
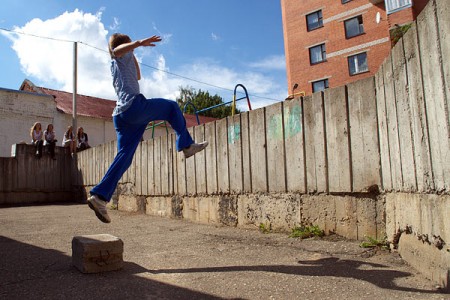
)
(173, 180)
(190, 209)
(158, 206)
(418, 113)
(214, 207)
(138, 172)
(131, 203)
(164, 165)
(280, 212)
(204, 210)
(366, 213)
(246, 152)
(235, 154)
(385, 164)
(319, 210)
(181, 173)
(97, 253)
(258, 158)
(172, 154)
(275, 148)
(365, 156)
(427, 259)
(227, 208)
(200, 162)
(150, 168)
(337, 140)
(404, 118)
(176, 204)
(435, 95)
(211, 158)
(425, 215)
(346, 216)
(157, 166)
(144, 168)
(380, 220)
(191, 187)
(223, 172)
(392, 126)
(442, 12)
(295, 146)
(315, 158)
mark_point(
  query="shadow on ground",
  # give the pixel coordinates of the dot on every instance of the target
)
(332, 266)
(30, 272)
(27, 271)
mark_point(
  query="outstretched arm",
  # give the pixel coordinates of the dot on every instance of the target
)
(120, 50)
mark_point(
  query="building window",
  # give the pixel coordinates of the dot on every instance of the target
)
(358, 63)
(354, 27)
(317, 54)
(314, 20)
(395, 5)
(345, 1)
(319, 85)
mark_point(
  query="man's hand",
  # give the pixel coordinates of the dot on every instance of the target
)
(150, 41)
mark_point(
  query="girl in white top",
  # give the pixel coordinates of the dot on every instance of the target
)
(36, 138)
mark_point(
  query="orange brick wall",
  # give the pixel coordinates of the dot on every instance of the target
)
(401, 17)
(298, 40)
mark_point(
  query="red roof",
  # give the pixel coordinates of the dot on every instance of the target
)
(91, 106)
(86, 106)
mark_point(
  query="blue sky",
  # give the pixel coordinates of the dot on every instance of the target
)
(221, 43)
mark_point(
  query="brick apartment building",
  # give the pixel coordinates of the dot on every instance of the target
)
(330, 43)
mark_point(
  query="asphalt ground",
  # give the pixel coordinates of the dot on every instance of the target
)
(175, 259)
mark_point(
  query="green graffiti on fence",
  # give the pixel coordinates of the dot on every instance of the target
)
(293, 121)
(275, 127)
(234, 133)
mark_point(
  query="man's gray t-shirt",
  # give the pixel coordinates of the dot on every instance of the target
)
(125, 81)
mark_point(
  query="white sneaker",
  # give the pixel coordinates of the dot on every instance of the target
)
(194, 148)
(99, 207)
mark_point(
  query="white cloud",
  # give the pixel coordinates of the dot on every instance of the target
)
(115, 25)
(51, 60)
(214, 36)
(216, 77)
(274, 62)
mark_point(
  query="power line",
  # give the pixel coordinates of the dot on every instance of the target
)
(143, 64)
(37, 36)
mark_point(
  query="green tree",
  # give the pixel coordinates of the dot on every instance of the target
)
(200, 100)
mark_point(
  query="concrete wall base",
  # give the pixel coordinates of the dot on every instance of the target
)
(430, 261)
(348, 216)
(131, 203)
(420, 225)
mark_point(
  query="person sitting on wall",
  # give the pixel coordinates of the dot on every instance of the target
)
(49, 140)
(83, 141)
(69, 140)
(36, 138)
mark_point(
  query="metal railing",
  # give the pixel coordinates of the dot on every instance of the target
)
(233, 103)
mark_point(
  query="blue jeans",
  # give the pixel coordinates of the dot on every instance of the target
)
(130, 126)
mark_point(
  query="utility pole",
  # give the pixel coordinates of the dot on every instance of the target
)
(74, 99)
